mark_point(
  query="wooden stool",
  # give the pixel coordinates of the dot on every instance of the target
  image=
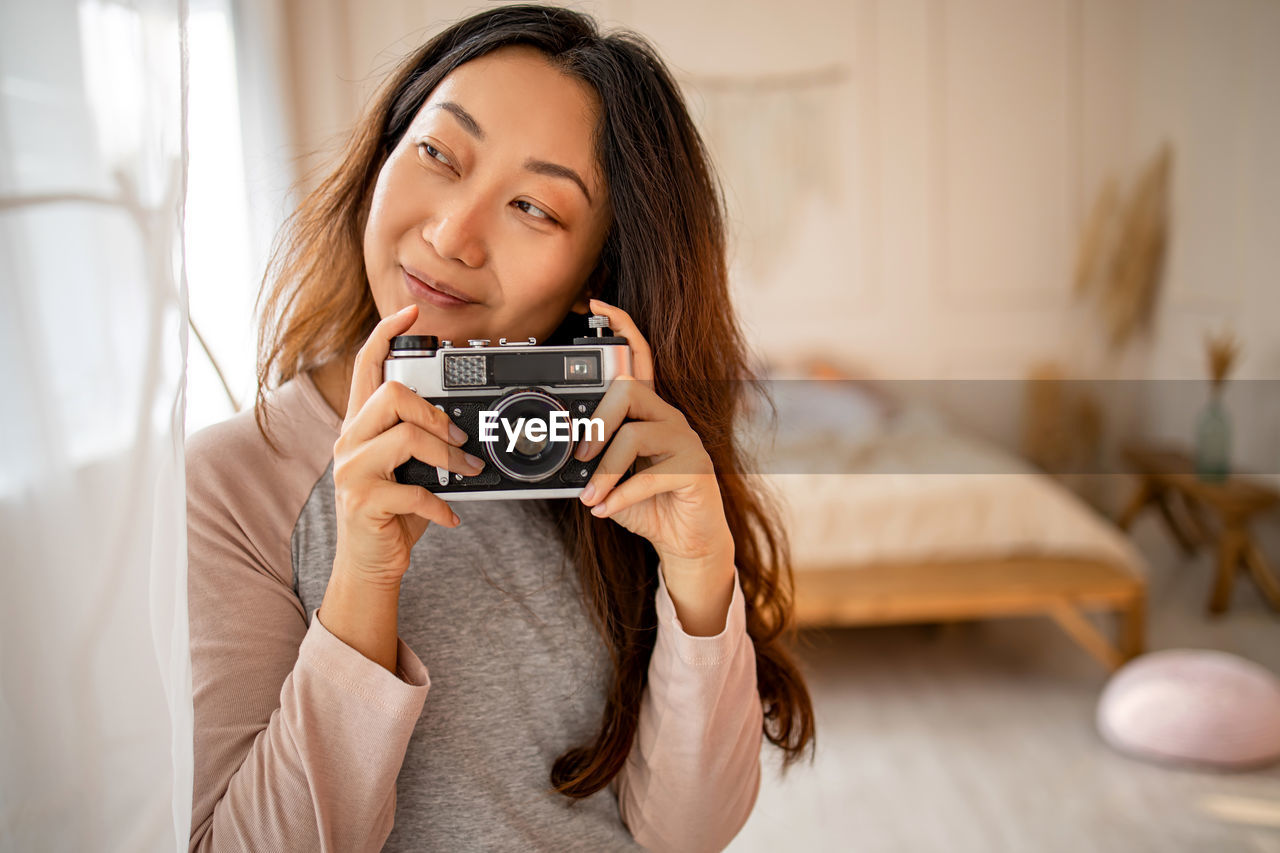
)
(1167, 479)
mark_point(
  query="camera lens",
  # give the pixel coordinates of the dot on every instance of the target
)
(528, 448)
(530, 459)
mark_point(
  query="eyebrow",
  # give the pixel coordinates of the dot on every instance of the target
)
(540, 167)
(468, 122)
(555, 170)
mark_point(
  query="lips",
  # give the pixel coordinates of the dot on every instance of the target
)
(437, 292)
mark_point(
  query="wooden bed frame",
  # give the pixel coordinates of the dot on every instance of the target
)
(955, 591)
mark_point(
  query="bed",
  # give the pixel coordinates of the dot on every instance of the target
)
(895, 516)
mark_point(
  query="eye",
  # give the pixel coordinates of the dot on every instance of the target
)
(533, 210)
(434, 153)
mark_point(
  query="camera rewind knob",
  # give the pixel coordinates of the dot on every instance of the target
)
(478, 342)
(604, 335)
(599, 322)
(414, 343)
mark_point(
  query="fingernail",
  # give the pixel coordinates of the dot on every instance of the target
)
(599, 510)
(472, 462)
(588, 493)
(456, 435)
(405, 309)
(581, 453)
(456, 520)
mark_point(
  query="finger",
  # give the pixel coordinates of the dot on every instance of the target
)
(624, 327)
(666, 476)
(658, 439)
(401, 499)
(626, 399)
(394, 403)
(366, 374)
(381, 456)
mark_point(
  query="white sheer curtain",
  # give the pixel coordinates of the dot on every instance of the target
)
(95, 697)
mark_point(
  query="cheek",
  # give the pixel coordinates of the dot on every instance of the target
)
(377, 226)
(378, 250)
(391, 209)
(545, 276)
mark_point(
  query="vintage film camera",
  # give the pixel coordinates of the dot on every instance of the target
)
(535, 399)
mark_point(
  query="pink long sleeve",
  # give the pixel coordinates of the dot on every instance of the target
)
(322, 772)
(693, 774)
(297, 735)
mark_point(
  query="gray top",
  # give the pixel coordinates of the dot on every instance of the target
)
(518, 675)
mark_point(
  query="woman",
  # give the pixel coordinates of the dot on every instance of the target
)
(602, 670)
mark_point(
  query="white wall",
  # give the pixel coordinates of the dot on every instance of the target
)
(922, 219)
(1208, 77)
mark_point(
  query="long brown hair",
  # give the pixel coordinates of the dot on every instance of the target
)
(663, 262)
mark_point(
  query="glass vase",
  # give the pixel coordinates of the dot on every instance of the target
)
(1213, 442)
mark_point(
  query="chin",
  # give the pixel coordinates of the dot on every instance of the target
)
(446, 329)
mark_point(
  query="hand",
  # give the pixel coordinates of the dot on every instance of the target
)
(379, 520)
(673, 499)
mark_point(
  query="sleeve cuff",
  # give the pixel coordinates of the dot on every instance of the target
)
(702, 651)
(401, 694)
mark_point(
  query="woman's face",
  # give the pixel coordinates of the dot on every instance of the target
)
(491, 211)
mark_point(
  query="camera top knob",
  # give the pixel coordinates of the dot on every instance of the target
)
(600, 323)
(478, 342)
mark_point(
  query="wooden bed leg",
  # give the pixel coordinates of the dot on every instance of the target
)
(1088, 637)
(1133, 628)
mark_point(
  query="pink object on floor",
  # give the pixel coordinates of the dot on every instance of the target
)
(1196, 706)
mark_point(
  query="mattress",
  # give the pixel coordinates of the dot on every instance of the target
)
(861, 486)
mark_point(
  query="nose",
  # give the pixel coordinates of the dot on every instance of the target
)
(457, 232)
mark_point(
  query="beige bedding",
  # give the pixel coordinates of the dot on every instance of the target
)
(921, 492)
